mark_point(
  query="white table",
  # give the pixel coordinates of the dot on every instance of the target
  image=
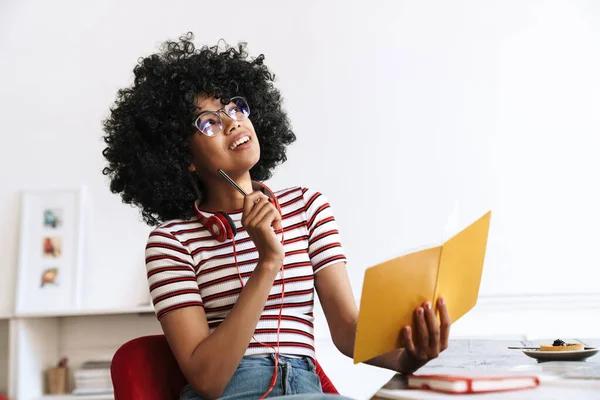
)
(494, 356)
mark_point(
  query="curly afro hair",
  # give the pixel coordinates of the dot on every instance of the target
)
(149, 124)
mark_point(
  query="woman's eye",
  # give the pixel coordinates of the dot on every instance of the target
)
(208, 123)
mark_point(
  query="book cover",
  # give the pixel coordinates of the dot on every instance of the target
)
(393, 289)
(477, 383)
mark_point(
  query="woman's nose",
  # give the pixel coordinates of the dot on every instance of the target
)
(229, 125)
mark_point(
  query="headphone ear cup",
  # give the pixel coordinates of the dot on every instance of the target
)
(217, 228)
(228, 223)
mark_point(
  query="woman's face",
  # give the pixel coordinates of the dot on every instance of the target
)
(234, 150)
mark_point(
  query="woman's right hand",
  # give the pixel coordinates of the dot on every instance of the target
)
(259, 218)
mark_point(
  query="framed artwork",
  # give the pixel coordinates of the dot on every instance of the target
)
(51, 241)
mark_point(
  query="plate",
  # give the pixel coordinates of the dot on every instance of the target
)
(577, 355)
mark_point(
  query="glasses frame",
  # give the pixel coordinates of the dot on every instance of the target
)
(217, 113)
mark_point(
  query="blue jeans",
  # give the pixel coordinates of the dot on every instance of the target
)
(296, 377)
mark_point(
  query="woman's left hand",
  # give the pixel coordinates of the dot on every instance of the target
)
(431, 337)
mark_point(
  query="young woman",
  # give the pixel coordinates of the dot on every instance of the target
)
(233, 275)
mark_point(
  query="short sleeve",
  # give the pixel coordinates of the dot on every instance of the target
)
(324, 243)
(171, 274)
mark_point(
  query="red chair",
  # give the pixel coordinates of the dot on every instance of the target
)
(145, 368)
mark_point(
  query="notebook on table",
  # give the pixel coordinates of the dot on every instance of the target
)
(443, 386)
(461, 384)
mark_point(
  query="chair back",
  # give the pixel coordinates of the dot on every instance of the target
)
(145, 368)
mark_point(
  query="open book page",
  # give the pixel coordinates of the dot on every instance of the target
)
(461, 267)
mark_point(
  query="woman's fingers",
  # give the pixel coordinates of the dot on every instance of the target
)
(422, 333)
(271, 217)
(433, 330)
(266, 215)
(445, 323)
(261, 210)
(431, 336)
(252, 206)
(409, 346)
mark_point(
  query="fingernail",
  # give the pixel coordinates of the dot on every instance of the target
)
(442, 300)
(408, 329)
(428, 305)
(419, 311)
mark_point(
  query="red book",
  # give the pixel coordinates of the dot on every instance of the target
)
(461, 384)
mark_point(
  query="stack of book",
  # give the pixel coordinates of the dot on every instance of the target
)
(93, 378)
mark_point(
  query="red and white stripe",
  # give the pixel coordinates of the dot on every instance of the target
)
(187, 267)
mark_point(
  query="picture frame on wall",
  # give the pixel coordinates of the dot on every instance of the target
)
(51, 250)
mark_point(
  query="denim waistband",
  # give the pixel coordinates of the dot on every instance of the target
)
(305, 363)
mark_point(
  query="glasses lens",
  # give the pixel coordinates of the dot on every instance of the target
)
(210, 124)
(238, 108)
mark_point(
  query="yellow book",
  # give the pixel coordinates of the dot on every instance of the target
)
(394, 289)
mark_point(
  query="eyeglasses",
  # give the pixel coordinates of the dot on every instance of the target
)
(210, 122)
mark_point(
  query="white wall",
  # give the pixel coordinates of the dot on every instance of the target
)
(494, 105)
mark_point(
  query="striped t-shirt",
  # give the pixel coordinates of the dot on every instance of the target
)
(187, 267)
